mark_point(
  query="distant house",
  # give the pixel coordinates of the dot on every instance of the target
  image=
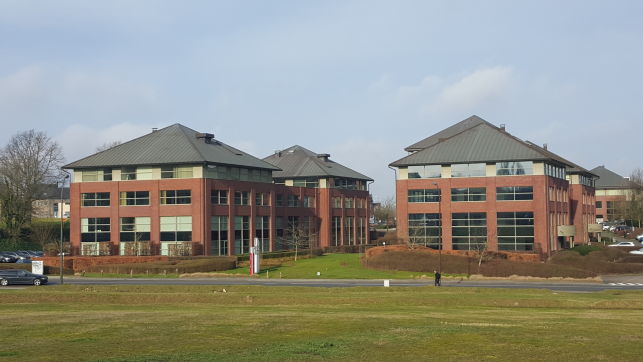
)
(47, 203)
(612, 190)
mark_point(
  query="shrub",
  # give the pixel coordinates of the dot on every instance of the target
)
(175, 265)
(585, 249)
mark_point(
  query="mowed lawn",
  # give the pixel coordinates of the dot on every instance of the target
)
(192, 323)
(329, 266)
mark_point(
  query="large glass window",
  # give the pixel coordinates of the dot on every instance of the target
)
(97, 175)
(425, 229)
(555, 171)
(348, 230)
(516, 231)
(241, 197)
(279, 232)
(279, 200)
(176, 197)
(219, 197)
(309, 201)
(94, 229)
(134, 198)
(509, 193)
(134, 173)
(262, 199)
(599, 204)
(469, 230)
(514, 168)
(135, 229)
(469, 194)
(293, 201)
(337, 202)
(348, 202)
(241, 234)
(90, 199)
(176, 228)
(468, 170)
(336, 231)
(424, 195)
(262, 232)
(307, 182)
(219, 235)
(176, 172)
(425, 171)
(349, 184)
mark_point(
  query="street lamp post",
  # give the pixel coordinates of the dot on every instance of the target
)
(440, 228)
(62, 221)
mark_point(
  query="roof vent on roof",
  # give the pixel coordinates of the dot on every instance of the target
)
(206, 137)
(544, 146)
(323, 156)
(502, 126)
(154, 129)
(278, 153)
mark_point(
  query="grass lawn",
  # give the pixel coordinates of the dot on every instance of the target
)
(330, 266)
(180, 323)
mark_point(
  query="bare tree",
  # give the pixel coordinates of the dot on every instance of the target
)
(634, 206)
(43, 232)
(107, 145)
(298, 235)
(28, 161)
(385, 212)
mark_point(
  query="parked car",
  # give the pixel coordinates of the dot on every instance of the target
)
(637, 252)
(623, 243)
(7, 258)
(19, 276)
(639, 237)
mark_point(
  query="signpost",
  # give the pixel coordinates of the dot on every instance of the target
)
(255, 257)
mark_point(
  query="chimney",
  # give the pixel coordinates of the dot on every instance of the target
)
(154, 129)
(323, 156)
(544, 145)
(502, 126)
(206, 137)
(278, 153)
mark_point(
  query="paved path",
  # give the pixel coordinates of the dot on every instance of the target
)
(335, 283)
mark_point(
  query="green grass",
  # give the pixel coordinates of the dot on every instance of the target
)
(188, 323)
(330, 266)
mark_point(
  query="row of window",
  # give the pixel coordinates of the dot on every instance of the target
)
(515, 230)
(348, 203)
(467, 194)
(175, 172)
(472, 169)
(217, 197)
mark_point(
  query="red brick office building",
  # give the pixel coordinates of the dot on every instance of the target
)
(612, 191)
(474, 185)
(175, 191)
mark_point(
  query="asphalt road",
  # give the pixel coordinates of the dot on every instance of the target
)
(616, 284)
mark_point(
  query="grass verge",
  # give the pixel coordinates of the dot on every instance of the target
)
(181, 323)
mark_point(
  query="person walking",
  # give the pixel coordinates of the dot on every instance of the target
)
(438, 276)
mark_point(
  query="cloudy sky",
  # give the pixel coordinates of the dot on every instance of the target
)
(360, 80)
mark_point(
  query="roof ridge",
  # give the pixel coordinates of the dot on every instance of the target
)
(191, 141)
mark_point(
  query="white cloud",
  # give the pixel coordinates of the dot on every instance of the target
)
(473, 91)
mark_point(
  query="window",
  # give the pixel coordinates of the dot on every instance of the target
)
(555, 171)
(424, 195)
(469, 194)
(262, 199)
(599, 205)
(309, 201)
(468, 170)
(516, 231)
(361, 230)
(262, 232)
(425, 229)
(469, 230)
(587, 181)
(293, 201)
(241, 234)
(133, 173)
(94, 229)
(348, 184)
(510, 193)
(94, 199)
(134, 198)
(308, 182)
(425, 171)
(279, 232)
(348, 203)
(176, 172)
(219, 235)
(176, 228)
(336, 231)
(97, 175)
(135, 229)
(241, 197)
(337, 202)
(279, 200)
(514, 168)
(348, 230)
(219, 197)
(176, 197)
(128, 173)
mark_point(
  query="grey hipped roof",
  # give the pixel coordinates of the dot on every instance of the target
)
(175, 144)
(476, 140)
(610, 180)
(299, 162)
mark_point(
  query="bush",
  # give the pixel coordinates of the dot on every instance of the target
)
(585, 249)
(175, 265)
(283, 254)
